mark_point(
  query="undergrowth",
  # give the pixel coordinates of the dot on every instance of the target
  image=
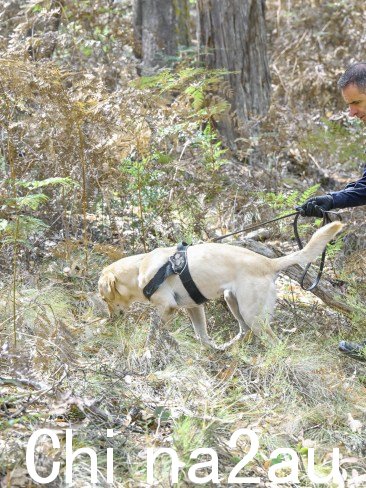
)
(104, 373)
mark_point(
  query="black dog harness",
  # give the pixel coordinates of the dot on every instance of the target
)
(177, 264)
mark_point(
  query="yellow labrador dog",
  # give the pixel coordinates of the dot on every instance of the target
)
(245, 279)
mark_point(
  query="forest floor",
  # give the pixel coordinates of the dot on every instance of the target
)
(74, 368)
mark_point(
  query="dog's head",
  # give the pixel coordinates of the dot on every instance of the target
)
(114, 293)
(118, 284)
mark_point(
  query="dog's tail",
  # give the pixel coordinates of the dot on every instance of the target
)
(312, 249)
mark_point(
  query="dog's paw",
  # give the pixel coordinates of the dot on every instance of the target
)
(208, 343)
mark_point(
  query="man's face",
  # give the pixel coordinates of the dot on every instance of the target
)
(356, 101)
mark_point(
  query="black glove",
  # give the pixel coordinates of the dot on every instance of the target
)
(315, 206)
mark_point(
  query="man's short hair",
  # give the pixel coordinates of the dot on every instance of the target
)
(354, 74)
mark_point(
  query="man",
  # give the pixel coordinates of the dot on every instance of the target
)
(353, 87)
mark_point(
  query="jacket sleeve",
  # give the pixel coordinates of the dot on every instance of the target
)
(353, 195)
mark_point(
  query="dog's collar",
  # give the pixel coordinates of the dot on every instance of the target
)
(177, 264)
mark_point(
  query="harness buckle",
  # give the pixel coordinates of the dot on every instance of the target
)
(178, 261)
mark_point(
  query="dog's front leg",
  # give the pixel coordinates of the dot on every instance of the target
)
(155, 323)
(198, 319)
(158, 331)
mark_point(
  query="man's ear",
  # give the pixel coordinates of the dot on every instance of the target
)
(107, 286)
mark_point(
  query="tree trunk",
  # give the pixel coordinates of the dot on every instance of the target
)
(231, 35)
(181, 8)
(155, 33)
(137, 28)
(159, 27)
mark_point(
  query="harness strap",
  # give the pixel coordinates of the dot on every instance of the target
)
(189, 284)
(177, 264)
(160, 276)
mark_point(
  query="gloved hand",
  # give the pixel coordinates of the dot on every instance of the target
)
(315, 206)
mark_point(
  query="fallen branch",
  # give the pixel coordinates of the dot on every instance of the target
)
(328, 293)
(20, 383)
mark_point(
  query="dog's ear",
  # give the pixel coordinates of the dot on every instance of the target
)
(107, 286)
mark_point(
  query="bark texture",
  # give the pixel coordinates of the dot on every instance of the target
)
(137, 28)
(159, 26)
(181, 8)
(232, 36)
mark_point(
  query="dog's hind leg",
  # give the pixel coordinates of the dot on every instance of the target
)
(256, 305)
(233, 305)
(198, 318)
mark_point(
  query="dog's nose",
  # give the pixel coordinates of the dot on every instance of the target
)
(121, 312)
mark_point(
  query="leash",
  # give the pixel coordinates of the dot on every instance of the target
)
(326, 220)
(255, 226)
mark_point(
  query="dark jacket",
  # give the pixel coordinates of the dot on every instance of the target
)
(353, 195)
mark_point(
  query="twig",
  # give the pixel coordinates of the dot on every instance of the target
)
(20, 382)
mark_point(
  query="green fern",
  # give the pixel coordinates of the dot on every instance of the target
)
(31, 201)
(18, 231)
(200, 82)
(334, 247)
(17, 228)
(293, 199)
(310, 192)
(47, 182)
(197, 94)
(284, 202)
